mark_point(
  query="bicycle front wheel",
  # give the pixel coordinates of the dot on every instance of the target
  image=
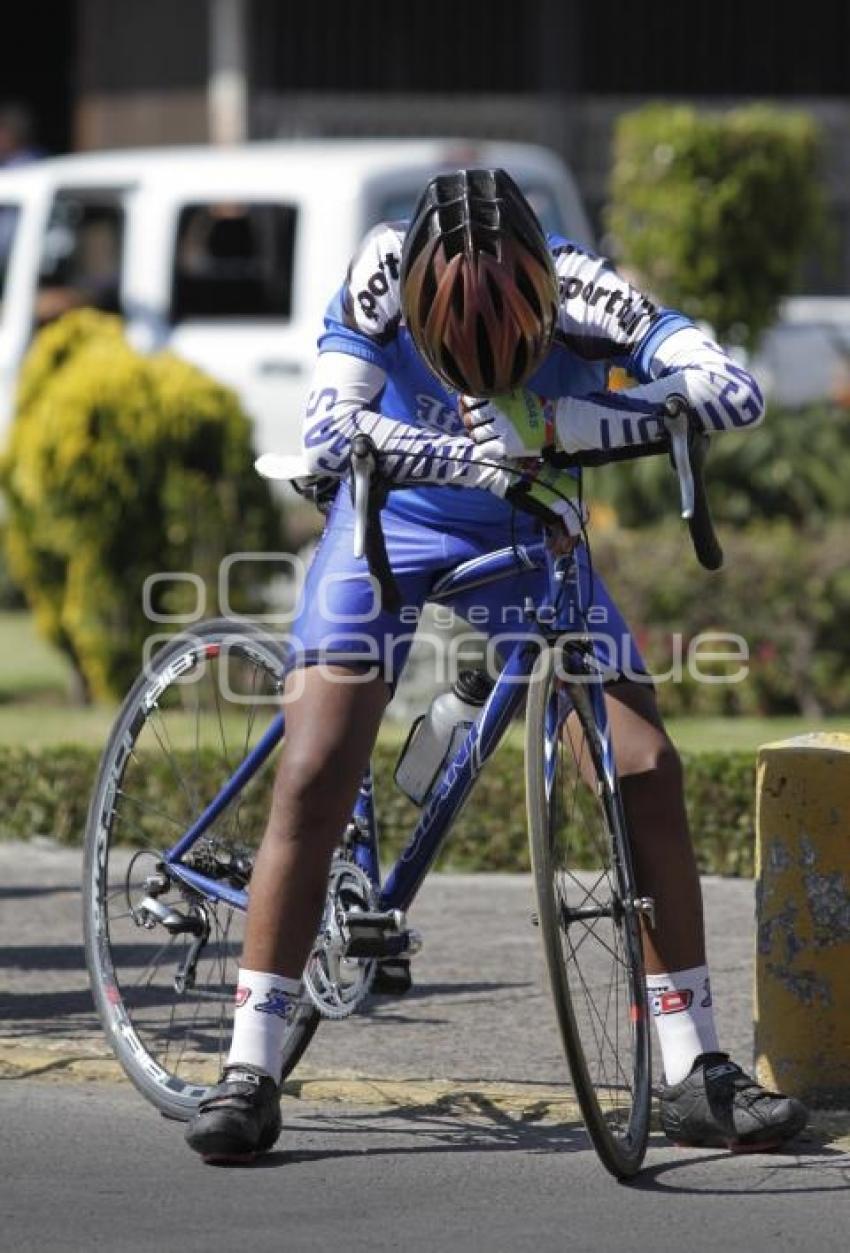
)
(162, 957)
(589, 922)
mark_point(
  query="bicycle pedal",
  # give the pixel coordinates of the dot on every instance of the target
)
(376, 933)
(392, 977)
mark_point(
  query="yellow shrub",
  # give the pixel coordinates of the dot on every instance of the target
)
(119, 467)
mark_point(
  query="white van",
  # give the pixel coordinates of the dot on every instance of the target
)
(226, 256)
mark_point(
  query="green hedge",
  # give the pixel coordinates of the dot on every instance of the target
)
(47, 793)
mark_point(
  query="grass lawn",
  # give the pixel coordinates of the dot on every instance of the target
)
(695, 735)
(28, 666)
(38, 725)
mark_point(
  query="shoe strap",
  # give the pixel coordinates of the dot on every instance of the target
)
(719, 1069)
(237, 1083)
(243, 1074)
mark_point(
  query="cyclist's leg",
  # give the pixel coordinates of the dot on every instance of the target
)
(346, 653)
(651, 781)
(652, 788)
(342, 650)
(331, 727)
(647, 765)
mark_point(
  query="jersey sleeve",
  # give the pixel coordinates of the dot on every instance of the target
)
(363, 318)
(603, 317)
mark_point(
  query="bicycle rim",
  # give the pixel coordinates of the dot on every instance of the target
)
(590, 931)
(203, 702)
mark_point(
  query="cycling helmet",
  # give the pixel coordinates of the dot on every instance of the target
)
(478, 287)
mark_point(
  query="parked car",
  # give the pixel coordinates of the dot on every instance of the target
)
(805, 357)
(226, 256)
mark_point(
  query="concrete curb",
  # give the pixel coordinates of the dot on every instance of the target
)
(522, 1102)
(802, 1016)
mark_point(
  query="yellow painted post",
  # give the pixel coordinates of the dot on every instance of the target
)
(802, 995)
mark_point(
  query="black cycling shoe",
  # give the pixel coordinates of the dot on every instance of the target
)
(392, 977)
(239, 1119)
(719, 1106)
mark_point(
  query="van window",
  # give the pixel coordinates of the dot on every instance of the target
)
(9, 215)
(233, 260)
(398, 205)
(82, 253)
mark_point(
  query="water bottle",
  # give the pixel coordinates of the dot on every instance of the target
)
(436, 736)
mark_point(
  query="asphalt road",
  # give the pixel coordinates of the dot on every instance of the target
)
(480, 1009)
(91, 1167)
(429, 1122)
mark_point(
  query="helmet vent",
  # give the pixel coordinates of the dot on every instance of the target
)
(495, 295)
(459, 299)
(525, 285)
(485, 355)
(520, 360)
(452, 370)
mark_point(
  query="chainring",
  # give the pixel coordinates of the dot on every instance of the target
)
(338, 985)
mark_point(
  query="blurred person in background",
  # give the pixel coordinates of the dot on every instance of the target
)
(16, 131)
(16, 148)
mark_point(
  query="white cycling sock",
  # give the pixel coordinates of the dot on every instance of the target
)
(681, 1005)
(265, 1007)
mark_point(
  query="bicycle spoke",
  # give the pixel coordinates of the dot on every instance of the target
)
(149, 809)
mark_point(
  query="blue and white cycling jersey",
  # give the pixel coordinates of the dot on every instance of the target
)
(370, 377)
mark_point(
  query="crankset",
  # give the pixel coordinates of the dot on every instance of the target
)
(354, 934)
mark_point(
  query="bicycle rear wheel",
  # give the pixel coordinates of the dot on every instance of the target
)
(589, 922)
(163, 958)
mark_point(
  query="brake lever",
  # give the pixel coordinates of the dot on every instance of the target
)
(688, 447)
(363, 466)
(677, 427)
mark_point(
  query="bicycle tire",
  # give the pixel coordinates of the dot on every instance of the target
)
(171, 1044)
(575, 816)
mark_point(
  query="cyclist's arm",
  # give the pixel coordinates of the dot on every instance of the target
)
(357, 352)
(602, 317)
(341, 404)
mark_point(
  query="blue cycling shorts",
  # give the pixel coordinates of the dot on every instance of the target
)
(340, 619)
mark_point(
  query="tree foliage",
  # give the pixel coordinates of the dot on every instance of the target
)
(715, 211)
(120, 467)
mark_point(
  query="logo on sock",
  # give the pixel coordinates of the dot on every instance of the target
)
(243, 996)
(277, 1002)
(707, 990)
(672, 1002)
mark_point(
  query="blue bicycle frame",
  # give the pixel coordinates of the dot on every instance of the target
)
(460, 774)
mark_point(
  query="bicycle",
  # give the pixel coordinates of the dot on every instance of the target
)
(168, 851)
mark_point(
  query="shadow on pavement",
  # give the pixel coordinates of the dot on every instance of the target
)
(480, 1126)
(20, 893)
(466, 1121)
(774, 1171)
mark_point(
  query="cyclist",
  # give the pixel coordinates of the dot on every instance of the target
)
(460, 343)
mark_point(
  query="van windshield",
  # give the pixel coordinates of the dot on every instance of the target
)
(9, 215)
